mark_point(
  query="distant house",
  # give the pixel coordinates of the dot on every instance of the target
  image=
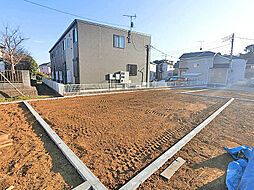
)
(249, 57)
(211, 68)
(153, 71)
(176, 68)
(164, 69)
(90, 53)
(45, 68)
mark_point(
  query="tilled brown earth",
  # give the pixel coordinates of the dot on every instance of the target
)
(118, 135)
(229, 93)
(33, 161)
(206, 161)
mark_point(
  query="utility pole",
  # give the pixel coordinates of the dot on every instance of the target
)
(231, 52)
(131, 26)
(147, 65)
(231, 59)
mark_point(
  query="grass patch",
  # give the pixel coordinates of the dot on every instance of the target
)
(21, 98)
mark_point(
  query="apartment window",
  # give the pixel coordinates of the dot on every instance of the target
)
(196, 65)
(75, 35)
(132, 69)
(118, 41)
(64, 46)
(68, 43)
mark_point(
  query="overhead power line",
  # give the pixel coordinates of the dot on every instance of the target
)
(241, 38)
(162, 52)
(219, 47)
(75, 15)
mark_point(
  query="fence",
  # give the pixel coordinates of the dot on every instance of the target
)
(65, 89)
(15, 77)
(81, 88)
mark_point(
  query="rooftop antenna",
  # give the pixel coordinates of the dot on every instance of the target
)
(131, 26)
(201, 44)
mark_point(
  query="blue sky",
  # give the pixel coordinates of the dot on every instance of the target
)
(176, 26)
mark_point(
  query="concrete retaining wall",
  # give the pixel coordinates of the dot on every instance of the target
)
(24, 84)
(58, 87)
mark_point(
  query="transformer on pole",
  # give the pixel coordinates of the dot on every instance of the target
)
(131, 26)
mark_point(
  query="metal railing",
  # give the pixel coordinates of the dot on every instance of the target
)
(15, 77)
(81, 88)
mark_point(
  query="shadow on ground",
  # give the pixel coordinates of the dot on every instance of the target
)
(221, 162)
(59, 162)
(3, 94)
(44, 90)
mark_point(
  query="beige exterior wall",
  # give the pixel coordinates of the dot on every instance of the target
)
(93, 56)
(98, 57)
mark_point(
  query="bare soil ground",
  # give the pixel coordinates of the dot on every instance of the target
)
(118, 135)
(230, 93)
(33, 161)
(206, 161)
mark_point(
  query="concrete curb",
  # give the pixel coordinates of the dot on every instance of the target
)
(194, 91)
(155, 165)
(85, 173)
(205, 95)
(97, 94)
(83, 186)
(221, 97)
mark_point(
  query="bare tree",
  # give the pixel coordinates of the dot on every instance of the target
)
(12, 40)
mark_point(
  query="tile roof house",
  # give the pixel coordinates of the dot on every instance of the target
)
(211, 68)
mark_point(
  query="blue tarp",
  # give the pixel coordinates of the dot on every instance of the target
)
(240, 173)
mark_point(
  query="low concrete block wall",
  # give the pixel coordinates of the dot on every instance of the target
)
(58, 87)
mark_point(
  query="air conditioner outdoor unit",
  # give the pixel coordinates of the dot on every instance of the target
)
(109, 77)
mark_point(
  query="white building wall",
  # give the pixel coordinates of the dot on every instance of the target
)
(238, 70)
(152, 72)
(218, 59)
(199, 65)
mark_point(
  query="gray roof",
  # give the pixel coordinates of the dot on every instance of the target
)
(197, 54)
(44, 64)
(233, 57)
(223, 65)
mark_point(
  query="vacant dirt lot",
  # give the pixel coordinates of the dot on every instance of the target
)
(117, 135)
(33, 161)
(206, 160)
(230, 93)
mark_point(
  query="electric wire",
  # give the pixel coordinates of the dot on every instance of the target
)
(75, 15)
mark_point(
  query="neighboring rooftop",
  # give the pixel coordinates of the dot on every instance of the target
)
(224, 65)
(44, 64)
(197, 54)
(234, 57)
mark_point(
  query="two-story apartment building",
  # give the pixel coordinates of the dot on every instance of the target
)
(87, 52)
(45, 68)
(211, 68)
